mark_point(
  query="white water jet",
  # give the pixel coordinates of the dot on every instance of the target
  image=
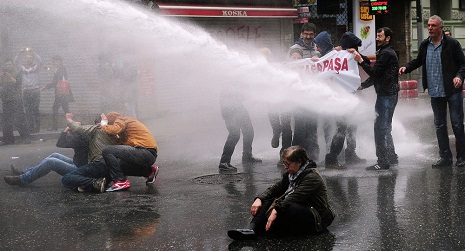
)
(188, 63)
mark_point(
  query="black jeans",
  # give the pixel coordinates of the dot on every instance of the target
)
(125, 160)
(14, 117)
(306, 133)
(439, 106)
(281, 125)
(337, 142)
(237, 120)
(31, 99)
(295, 219)
(60, 101)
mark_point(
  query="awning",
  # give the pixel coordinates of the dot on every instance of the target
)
(226, 11)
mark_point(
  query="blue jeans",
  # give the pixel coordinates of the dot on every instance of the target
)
(85, 175)
(55, 162)
(127, 160)
(439, 106)
(384, 107)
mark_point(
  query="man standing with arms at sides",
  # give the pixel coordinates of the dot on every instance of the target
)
(443, 71)
(384, 77)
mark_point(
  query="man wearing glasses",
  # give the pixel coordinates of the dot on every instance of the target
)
(305, 42)
(306, 122)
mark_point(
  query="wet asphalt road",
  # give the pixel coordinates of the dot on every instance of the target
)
(409, 207)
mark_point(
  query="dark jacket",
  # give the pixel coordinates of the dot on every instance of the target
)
(452, 59)
(310, 191)
(384, 75)
(60, 74)
(79, 143)
(11, 91)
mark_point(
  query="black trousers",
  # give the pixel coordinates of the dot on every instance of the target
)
(31, 99)
(281, 123)
(237, 120)
(296, 219)
(14, 117)
(123, 160)
(306, 133)
(60, 101)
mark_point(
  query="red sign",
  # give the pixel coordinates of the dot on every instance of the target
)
(216, 11)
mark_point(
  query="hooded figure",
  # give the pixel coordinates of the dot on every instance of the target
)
(349, 40)
(323, 41)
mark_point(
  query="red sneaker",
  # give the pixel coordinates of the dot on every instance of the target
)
(119, 185)
(153, 175)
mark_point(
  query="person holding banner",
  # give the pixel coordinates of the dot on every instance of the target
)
(344, 130)
(384, 77)
(443, 72)
(306, 124)
(324, 45)
(305, 42)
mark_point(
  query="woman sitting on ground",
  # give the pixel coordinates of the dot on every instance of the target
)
(302, 205)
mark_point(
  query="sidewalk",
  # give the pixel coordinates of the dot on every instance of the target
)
(43, 134)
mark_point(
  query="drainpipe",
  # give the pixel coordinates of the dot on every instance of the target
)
(419, 38)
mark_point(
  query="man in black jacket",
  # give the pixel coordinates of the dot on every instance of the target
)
(443, 72)
(384, 77)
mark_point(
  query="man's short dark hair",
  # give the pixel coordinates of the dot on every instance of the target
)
(308, 27)
(387, 32)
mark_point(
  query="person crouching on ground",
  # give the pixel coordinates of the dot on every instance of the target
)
(301, 205)
(137, 154)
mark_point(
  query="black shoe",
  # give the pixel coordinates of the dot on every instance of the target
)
(13, 180)
(275, 141)
(242, 234)
(227, 167)
(15, 170)
(334, 165)
(378, 167)
(442, 162)
(460, 162)
(99, 185)
(354, 159)
(251, 160)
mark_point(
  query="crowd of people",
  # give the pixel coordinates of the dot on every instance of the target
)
(118, 146)
(21, 94)
(298, 203)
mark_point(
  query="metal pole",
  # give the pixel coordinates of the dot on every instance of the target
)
(419, 37)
